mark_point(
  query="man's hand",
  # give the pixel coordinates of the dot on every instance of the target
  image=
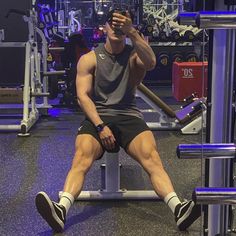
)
(107, 138)
(123, 23)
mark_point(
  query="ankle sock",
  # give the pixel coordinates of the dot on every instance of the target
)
(66, 200)
(172, 200)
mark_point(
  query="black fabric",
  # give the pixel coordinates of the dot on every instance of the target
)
(124, 128)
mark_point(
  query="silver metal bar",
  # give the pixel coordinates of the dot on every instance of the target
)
(211, 150)
(12, 44)
(187, 18)
(112, 172)
(222, 196)
(10, 127)
(216, 20)
(26, 89)
(120, 195)
(40, 94)
(58, 72)
(56, 49)
(164, 126)
(209, 19)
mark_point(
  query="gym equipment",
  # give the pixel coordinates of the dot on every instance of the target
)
(191, 57)
(210, 150)
(34, 86)
(210, 20)
(219, 172)
(175, 35)
(188, 78)
(112, 190)
(187, 18)
(163, 59)
(177, 57)
(187, 120)
(219, 196)
(2, 35)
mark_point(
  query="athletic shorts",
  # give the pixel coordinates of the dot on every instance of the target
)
(124, 128)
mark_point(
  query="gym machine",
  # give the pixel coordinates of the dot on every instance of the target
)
(33, 85)
(220, 151)
(188, 119)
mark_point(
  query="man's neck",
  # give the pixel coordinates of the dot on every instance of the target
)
(114, 47)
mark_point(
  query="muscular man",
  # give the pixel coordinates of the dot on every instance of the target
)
(106, 82)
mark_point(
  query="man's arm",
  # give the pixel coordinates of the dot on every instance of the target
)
(84, 83)
(84, 86)
(145, 57)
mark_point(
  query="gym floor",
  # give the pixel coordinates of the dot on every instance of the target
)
(40, 163)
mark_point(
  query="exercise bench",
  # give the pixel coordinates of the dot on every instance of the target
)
(112, 189)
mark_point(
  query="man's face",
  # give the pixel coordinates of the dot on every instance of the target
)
(112, 35)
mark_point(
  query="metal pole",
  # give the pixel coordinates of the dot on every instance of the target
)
(219, 196)
(220, 170)
(211, 150)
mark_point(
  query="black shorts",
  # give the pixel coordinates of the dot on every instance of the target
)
(125, 128)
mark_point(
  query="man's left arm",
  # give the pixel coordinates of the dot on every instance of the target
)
(145, 56)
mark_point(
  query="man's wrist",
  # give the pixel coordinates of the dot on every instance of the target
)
(100, 127)
(132, 33)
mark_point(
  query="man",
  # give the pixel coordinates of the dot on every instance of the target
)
(106, 82)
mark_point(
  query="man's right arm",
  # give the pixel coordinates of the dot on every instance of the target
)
(84, 88)
(84, 83)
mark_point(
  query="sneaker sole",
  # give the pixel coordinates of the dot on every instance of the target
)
(47, 211)
(183, 225)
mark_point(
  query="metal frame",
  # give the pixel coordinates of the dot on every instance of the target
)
(29, 117)
(164, 122)
(112, 190)
(219, 172)
(32, 78)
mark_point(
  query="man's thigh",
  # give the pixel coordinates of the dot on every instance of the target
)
(143, 146)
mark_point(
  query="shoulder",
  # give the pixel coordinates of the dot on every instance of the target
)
(88, 56)
(88, 61)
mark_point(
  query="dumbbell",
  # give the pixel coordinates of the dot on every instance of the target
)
(145, 29)
(191, 57)
(151, 20)
(163, 59)
(187, 34)
(148, 30)
(175, 35)
(177, 57)
(163, 36)
(204, 57)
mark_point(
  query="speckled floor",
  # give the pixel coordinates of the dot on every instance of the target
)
(41, 161)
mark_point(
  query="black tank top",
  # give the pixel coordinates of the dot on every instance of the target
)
(114, 94)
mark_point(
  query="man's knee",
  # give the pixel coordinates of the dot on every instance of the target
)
(87, 150)
(151, 161)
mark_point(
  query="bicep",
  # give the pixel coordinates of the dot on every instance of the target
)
(84, 78)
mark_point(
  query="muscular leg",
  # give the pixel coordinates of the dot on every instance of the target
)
(87, 150)
(143, 149)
